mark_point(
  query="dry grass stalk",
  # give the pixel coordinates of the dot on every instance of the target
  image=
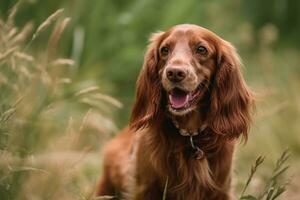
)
(165, 189)
(24, 56)
(12, 13)
(88, 90)
(9, 52)
(63, 61)
(23, 34)
(25, 72)
(64, 81)
(56, 35)
(47, 23)
(11, 33)
(108, 99)
(84, 120)
(24, 168)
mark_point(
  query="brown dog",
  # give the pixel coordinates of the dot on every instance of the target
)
(191, 105)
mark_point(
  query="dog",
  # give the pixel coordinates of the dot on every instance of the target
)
(191, 107)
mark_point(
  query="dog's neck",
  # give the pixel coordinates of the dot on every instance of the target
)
(190, 124)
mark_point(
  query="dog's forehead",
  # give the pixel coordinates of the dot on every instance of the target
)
(190, 31)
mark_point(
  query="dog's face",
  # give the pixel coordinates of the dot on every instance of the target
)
(187, 62)
(181, 67)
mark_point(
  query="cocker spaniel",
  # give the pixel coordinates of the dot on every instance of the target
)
(191, 106)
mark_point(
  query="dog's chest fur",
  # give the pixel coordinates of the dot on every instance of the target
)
(170, 165)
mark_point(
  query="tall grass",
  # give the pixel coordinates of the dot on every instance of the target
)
(50, 127)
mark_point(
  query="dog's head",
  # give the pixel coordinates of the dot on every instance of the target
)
(181, 67)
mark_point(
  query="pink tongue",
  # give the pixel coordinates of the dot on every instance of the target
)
(178, 101)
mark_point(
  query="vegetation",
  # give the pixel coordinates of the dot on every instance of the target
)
(48, 124)
(61, 61)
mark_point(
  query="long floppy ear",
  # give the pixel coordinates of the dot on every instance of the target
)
(148, 91)
(231, 100)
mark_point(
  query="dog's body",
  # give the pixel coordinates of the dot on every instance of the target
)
(191, 105)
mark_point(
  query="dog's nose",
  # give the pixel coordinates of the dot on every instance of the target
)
(175, 74)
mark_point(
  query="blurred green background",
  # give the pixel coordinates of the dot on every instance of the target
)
(106, 39)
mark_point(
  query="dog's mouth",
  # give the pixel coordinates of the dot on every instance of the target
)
(180, 99)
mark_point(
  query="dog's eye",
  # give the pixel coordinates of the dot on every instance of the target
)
(164, 51)
(201, 50)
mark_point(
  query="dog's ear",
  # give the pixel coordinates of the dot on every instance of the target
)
(231, 100)
(148, 91)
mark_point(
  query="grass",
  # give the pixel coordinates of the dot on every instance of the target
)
(53, 125)
(258, 162)
(50, 126)
(274, 186)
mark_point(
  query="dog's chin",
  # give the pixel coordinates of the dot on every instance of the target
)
(182, 102)
(181, 112)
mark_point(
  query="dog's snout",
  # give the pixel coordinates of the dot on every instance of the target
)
(175, 74)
